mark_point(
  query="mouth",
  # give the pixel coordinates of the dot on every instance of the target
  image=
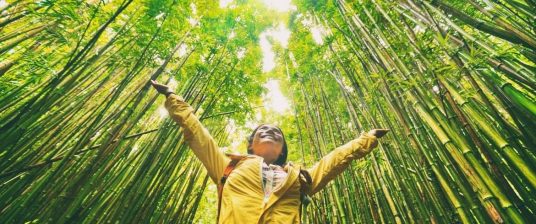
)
(268, 136)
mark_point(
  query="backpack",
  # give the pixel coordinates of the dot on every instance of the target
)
(304, 183)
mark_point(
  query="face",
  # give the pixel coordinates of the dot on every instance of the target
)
(268, 143)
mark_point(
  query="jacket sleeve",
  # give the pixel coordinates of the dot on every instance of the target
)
(338, 160)
(197, 137)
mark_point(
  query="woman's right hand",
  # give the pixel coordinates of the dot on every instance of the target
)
(378, 133)
(161, 88)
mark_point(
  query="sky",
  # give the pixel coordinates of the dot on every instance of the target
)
(280, 34)
(277, 5)
(274, 100)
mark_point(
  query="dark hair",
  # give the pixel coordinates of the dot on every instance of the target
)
(282, 159)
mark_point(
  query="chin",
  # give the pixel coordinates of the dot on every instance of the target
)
(267, 141)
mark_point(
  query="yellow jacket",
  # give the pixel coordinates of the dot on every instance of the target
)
(242, 197)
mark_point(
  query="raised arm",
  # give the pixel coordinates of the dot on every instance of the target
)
(340, 158)
(196, 135)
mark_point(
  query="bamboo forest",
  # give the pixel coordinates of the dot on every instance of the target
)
(84, 138)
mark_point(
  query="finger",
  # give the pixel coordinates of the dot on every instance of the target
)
(155, 85)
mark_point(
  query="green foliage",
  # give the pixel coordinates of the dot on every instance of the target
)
(84, 138)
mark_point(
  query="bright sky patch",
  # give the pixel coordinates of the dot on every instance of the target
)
(274, 100)
(225, 3)
(281, 34)
(280, 5)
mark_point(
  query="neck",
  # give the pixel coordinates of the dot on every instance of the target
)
(268, 161)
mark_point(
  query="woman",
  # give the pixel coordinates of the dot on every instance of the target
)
(263, 187)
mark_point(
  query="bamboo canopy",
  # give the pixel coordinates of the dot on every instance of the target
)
(85, 139)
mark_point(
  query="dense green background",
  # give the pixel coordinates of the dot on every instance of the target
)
(85, 139)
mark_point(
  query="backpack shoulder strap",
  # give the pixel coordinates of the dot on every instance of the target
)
(230, 167)
(305, 183)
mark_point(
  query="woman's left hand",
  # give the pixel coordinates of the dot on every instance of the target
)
(161, 88)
